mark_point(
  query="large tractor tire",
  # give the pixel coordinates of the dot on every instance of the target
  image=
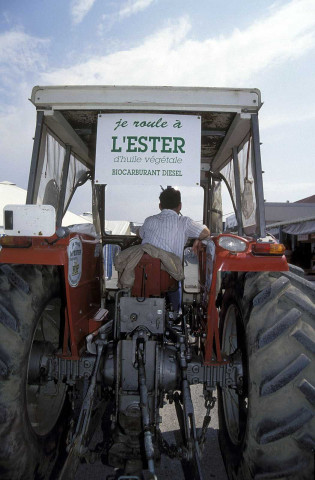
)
(267, 428)
(33, 419)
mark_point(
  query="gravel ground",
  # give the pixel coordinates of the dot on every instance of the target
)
(212, 464)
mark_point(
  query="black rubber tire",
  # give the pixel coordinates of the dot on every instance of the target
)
(277, 317)
(25, 293)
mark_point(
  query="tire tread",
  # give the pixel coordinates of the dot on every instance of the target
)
(308, 391)
(24, 291)
(304, 334)
(15, 279)
(271, 292)
(7, 319)
(286, 473)
(273, 332)
(285, 375)
(278, 314)
(270, 431)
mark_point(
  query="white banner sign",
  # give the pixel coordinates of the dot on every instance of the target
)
(148, 149)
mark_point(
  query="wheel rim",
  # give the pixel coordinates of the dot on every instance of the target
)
(45, 399)
(234, 404)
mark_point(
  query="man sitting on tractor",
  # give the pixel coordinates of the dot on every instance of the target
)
(169, 230)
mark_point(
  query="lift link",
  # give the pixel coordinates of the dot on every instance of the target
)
(209, 405)
(78, 446)
(185, 413)
(171, 450)
(148, 443)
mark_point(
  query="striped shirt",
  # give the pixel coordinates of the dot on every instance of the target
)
(169, 231)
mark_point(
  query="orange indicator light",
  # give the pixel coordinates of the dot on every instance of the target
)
(268, 249)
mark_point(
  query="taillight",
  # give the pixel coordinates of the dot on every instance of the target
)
(268, 248)
(15, 242)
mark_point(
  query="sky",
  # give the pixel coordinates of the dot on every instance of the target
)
(262, 44)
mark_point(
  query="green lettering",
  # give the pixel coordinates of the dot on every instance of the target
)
(179, 144)
(160, 123)
(131, 144)
(114, 148)
(120, 123)
(144, 146)
(177, 124)
(154, 140)
(166, 148)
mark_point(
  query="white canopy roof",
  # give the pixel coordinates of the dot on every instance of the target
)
(114, 227)
(294, 218)
(11, 194)
(300, 228)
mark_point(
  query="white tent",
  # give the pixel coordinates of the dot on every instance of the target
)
(11, 194)
(113, 227)
(117, 227)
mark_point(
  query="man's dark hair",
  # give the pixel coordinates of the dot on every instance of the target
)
(170, 198)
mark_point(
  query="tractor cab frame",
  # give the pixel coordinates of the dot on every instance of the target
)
(230, 145)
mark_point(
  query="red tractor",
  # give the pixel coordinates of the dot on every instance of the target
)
(76, 350)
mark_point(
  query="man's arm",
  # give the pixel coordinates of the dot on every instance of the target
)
(197, 243)
(204, 234)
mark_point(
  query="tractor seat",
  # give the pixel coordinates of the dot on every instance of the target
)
(150, 280)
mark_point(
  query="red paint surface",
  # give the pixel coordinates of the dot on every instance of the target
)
(82, 301)
(230, 262)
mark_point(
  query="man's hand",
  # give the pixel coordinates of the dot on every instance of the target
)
(197, 246)
(198, 242)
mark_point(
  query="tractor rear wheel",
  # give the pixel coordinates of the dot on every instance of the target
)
(267, 425)
(32, 409)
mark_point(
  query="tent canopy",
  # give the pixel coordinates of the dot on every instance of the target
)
(11, 194)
